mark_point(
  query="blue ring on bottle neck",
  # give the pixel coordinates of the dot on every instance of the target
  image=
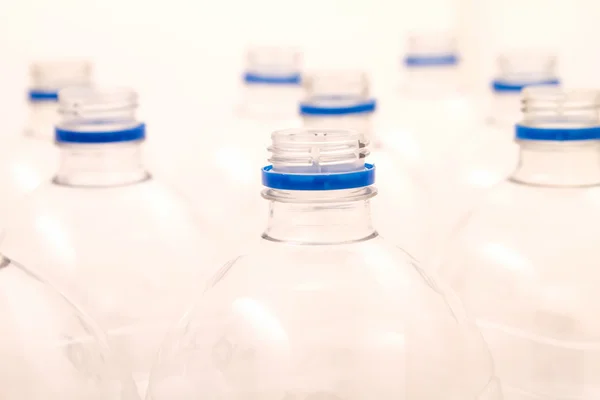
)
(416, 61)
(39, 95)
(64, 135)
(501, 86)
(318, 182)
(253, 78)
(523, 132)
(315, 109)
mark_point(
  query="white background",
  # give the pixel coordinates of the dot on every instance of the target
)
(183, 54)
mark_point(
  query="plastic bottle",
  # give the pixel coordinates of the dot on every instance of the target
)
(516, 71)
(525, 261)
(490, 153)
(50, 349)
(126, 249)
(232, 146)
(323, 308)
(343, 100)
(28, 158)
(431, 114)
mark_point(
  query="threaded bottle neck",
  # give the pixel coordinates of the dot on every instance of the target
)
(432, 45)
(314, 151)
(273, 63)
(97, 110)
(51, 76)
(548, 107)
(524, 68)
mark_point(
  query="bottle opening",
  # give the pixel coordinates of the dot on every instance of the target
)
(311, 159)
(337, 93)
(93, 115)
(556, 114)
(518, 70)
(431, 50)
(48, 77)
(273, 66)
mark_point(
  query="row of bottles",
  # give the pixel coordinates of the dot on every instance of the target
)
(320, 307)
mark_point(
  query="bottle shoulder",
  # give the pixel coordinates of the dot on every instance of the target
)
(68, 354)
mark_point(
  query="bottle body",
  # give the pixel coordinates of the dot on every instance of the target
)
(50, 349)
(301, 321)
(131, 256)
(524, 259)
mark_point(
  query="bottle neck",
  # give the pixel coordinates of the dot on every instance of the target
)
(318, 218)
(101, 165)
(440, 81)
(558, 164)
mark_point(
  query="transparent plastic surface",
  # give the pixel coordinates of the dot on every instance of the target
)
(264, 98)
(322, 307)
(50, 77)
(431, 113)
(50, 350)
(519, 68)
(404, 203)
(123, 246)
(525, 261)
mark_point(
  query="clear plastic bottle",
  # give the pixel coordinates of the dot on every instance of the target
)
(323, 308)
(342, 100)
(28, 158)
(236, 144)
(125, 248)
(431, 114)
(490, 153)
(516, 71)
(50, 349)
(525, 261)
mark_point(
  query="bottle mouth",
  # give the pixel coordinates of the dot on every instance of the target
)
(431, 49)
(519, 69)
(312, 159)
(337, 93)
(98, 115)
(560, 115)
(273, 66)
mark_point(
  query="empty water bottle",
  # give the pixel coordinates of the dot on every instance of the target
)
(50, 349)
(516, 71)
(126, 248)
(431, 114)
(526, 260)
(343, 100)
(29, 157)
(323, 308)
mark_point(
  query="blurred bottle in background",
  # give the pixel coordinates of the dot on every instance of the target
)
(230, 146)
(490, 153)
(430, 114)
(123, 246)
(28, 158)
(343, 100)
(525, 261)
(517, 70)
(322, 307)
(50, 349)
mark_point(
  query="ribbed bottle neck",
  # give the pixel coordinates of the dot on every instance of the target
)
(319, 218)
(101, 165)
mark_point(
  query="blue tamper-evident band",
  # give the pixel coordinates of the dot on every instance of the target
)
(557, 134)
(42, 95)
(63, 135)
(253, 78)
(430, 60)
(323, 181)
(314, 108)
(506, 86)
